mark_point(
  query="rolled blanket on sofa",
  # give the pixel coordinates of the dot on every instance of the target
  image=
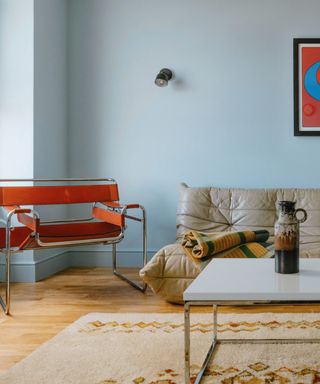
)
(202, 247)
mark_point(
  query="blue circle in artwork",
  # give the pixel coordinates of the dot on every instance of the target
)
(310, 81)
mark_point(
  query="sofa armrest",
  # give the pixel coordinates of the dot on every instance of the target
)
(169, 272)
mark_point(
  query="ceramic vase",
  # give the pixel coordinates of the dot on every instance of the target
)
(286, 237)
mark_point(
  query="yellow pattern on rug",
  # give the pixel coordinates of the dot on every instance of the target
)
(168, 327)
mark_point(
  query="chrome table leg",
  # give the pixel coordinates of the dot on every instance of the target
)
(212, 346)
(187, 343)
(216, 342)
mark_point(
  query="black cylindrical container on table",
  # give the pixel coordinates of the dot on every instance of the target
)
(286, 237)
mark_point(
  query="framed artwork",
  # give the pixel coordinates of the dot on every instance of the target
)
(306, 69)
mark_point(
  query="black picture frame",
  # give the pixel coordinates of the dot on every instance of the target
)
(298, 129)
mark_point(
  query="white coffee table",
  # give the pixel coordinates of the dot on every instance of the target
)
(248, 282)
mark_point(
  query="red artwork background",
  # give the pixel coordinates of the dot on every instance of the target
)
(310, 107)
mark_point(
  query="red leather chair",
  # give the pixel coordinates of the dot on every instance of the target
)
(106, 225)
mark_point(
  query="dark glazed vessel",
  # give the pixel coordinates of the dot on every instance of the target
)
(286, 237)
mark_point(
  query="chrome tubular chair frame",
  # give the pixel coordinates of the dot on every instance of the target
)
(122, 209)
(216, 341)
(116, 272)
(5, 304)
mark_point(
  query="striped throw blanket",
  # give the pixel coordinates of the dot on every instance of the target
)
(202, 247)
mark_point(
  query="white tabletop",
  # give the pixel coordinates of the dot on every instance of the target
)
(255, 279)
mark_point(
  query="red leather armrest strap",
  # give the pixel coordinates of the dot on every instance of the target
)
(24, 219)
(15, 208)
(111, 217)
(115, 204)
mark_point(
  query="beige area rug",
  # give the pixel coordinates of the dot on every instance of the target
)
(148, 348)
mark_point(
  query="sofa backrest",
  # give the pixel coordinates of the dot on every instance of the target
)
(234, 209)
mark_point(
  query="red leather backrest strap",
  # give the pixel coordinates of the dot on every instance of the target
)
(66, 194)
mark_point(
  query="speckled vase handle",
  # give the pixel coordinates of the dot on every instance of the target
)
(305, 216)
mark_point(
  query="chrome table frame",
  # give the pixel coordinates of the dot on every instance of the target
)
(216, 342)
(8, 250)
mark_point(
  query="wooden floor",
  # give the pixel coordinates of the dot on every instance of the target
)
(41, 310)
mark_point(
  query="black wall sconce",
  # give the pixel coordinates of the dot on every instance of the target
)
(163, 77)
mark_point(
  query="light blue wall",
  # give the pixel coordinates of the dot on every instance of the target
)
(16, 98)
(50, 88)
(226, 119)
(16, 88)
(50, 101)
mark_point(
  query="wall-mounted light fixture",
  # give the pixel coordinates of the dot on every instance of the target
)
(163, 77)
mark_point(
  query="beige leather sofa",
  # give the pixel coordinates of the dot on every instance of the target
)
(170, 271)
